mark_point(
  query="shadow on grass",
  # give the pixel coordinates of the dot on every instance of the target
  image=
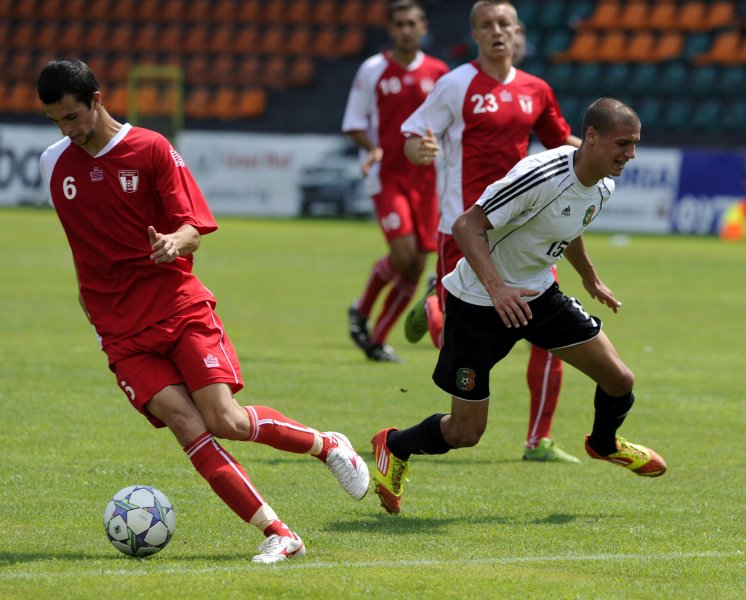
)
(398, 524)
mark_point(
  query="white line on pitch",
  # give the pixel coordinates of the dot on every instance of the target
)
(496, 560)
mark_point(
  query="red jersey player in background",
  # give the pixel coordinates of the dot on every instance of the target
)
(134, 216)
(388, 87)
(484, 113)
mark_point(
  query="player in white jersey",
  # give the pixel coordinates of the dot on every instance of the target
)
(483, 113)
(503, 291)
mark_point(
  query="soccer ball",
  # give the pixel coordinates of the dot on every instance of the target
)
(139, 520)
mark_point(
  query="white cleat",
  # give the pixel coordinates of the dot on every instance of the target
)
(279, 548)
(347, 466)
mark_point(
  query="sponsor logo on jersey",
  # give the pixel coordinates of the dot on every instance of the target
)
(589, 215)
(427, 85)
(566, 212)
(97, 174)
(408, 79)
(506, 96)
(465, 379)
(129, 181)
(211, 361)
(527, 104)
(178, 161)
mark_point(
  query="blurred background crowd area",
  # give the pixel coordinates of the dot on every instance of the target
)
(287, 65)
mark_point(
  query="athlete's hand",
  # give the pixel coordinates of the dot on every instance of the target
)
(510, 305)
(428, 148)
(373, 157)
(598, 290)
(164, 246)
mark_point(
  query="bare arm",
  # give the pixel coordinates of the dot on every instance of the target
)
(470, 232)
(421, 150)
(168, 246)
(375, 153)
(573, 141)
(581, 262)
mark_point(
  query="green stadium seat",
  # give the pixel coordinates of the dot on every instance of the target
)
(734, 118)
(673, 79)
(677, 115)
(588, 79)
(643, 79)
(561, 77)
(732, 82)
(704, 81)
(649, 110)
(706, 116)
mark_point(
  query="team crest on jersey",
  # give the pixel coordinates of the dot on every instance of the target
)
(427, 85)
(129, 181)
(527, 104)
(589, 215)
(506, 96)
(408, 79)
(465, 379)
(97, 174)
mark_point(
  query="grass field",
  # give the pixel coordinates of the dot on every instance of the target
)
(476, 523)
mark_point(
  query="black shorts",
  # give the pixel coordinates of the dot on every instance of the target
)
(475, 339)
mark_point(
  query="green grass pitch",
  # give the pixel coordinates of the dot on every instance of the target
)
(476, 523)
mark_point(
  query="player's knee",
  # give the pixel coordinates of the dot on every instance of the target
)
(226, 426)
(621, 383)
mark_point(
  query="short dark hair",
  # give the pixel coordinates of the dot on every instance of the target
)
(66, 76)
(606, 113)
(399, 5)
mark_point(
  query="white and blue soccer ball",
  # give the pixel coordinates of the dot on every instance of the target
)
(139, 520)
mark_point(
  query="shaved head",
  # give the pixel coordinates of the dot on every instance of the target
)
(605, 114)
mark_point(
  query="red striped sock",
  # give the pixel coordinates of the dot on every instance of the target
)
(225, 476)
(396, 302)
(544, 376)
(272, 428)
(381, 274)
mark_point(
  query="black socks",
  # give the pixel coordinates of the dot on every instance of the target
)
(610, 414)
(424, 438)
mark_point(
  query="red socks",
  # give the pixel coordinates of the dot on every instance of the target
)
(225, 476)
(380, 276)
(544, 377)
(396, 302)
(272, 428)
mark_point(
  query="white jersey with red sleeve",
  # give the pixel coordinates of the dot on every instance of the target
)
(105, 204)
(383, 94)
(484, 126)
(536, 210)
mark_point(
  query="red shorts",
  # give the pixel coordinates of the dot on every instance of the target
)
(405, 208)
(190, 348)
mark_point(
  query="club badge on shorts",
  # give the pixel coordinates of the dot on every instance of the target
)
(465, 379)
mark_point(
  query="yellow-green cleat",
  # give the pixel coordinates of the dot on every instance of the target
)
(638, 459)
(415, 325)
(390, 473)
(547, 450)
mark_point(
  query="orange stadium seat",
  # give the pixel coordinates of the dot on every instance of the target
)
(19, 65)
(172, 11)
(196, 68)
(118, 68)
(582, 48)
(249, 11)
(145, 37)
(641, 48)
(22, 98)
(71, 36)
(47, 36)
(324, 12)
(605, 16)
(115, 99)
(692, 16)
(199, 11)
(721, 14)
(170, 38)
(274, 72)
(149, 100)
(612, 47)
(272, 39)
(301, 71)
(196, 37)
(325, 42)
(120, 37)
(350, 12)
(634, 15)
(222, 69)
(222, 38)
(670, 46)
(225, 103)
(22, 36)
(122, 11)
(198, 101)
(49, 9)
(145, 11)
(351, 41)
(663, 14)
(252, 103)
(298, 12)
(376, 13)
(96, 37)
(725, 49)
(225, 12)
(248, 69)
(18, 10)
(298, 40)
(275, 12)
(247, 39)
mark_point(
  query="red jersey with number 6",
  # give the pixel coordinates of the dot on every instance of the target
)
(105, 204)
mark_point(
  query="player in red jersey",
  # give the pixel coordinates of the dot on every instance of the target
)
(484, 112)
(388, 87)
(134, 215)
